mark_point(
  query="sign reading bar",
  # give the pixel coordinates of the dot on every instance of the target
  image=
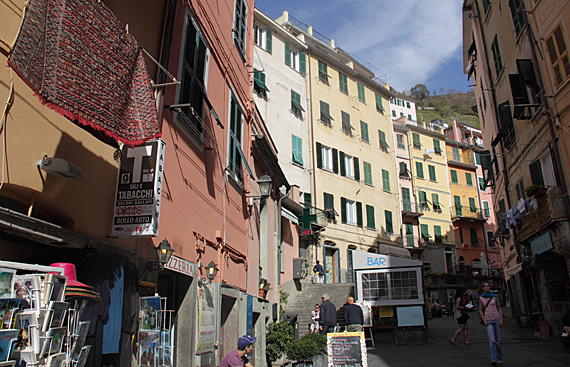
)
(347, 349)
(139, 185)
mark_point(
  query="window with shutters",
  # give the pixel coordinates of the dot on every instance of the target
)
(497, 57)
(367, 167)
(490, 239)
(410, 117)
(454, 176)
(327, 157)
(370, 220)
(507, 127)
(408, 105)
(259, 85)
(486, 4)
(437, 234)
(456, 156)
(361, 94)
(486, 209)
(437, 147)
(240, 26)
(419, 170)
(406, 200)
(472, 205)
(235, 154)
(350, 212)
(519, 190)
(323, 72)
(524, 88)
(536, 173)
(431, 170)
(474, 240)
(296, 107)
(348, 166)
(458, 207)
(516, 13)
(364, 132)
(404, 170)
(329, 205)
(385, 180)
(263, 37)
(389, 223)
(394, 114)
(416, 140)
(482, 183)
(295, 59)
(402, 114)
(424, 232)
(422, 198)
(435, 203)
(556, 46)
(193, 84)
(342, 83)
(383, 142)
(379, 106)
(326, 117)
(400, 141)
(297, 148)
(469, 179)
(478, 158)
(346, 127)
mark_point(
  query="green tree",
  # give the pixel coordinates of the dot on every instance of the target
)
(419, 92)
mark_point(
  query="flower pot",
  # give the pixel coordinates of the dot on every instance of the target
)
(262, 293)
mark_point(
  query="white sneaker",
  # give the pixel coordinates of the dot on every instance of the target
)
(564, 335)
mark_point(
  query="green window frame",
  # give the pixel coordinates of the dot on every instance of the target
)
(516, 13)
(389, 223)
(297, 149)
(326, 117)
(346, 127)
(301, 67)
(383, 143)
(424, 231)
(342, 83)
(323, 72)
(364, 132)
(478, 158)
(379, 106)
(410, 117)
(400, 140)
(469, 178)
(472, 205)
(419, 170)
(259, 85)
(394, 114)
(435, 203)
(361, 94)
(422, 199)
(458, 206)
(437, 234)
(296, 107)
(486, 209)
(328, 201)
(385, 180)
(456, 156)
(481, 183)
(473, 233)
(410, 235)
(406, 199)
(370, 220)
(367, 173)
(436, 147)
(432, 176)
(497, 61)
(454, 176)
(416, 140)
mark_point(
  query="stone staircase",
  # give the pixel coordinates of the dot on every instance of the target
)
(305, 302)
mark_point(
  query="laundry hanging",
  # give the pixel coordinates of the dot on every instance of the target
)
(81, 62)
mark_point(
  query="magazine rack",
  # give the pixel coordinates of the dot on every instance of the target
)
(155, 340)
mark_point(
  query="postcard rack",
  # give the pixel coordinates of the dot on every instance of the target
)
(154, 336)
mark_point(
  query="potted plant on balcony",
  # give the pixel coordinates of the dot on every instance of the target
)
(264, 287)
(535, 191)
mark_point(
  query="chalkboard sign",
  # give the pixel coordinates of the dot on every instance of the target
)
(347, 349)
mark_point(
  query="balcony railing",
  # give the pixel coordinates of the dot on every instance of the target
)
(411, 241)
(410, 206)
(458, 212)
(460, 159)
(550, 208)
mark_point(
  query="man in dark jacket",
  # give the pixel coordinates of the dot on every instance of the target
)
(327, 316)
(353, 316)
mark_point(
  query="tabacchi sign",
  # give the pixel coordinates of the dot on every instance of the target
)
(139, 185)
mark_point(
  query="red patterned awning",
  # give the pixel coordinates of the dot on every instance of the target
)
(81, 62)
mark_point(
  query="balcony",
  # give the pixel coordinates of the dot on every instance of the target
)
(412, 242)
(460, 160)
(411, 211)
(469, 214)
(550, 208)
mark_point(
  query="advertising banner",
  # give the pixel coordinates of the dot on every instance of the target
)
(139, 185)
(206, 318)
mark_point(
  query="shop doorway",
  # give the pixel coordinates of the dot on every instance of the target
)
(332, 264)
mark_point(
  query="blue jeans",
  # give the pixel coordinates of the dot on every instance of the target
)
(494, 333)
(327, 329)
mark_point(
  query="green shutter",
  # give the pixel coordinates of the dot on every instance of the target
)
(425, 231)
(343, 210)
(364, 131)
(386, 180)
(335, 160)
(296, 100)
(297, 149)
(359, 221)
(356, 164)
(367, 173)
(400, 139)
(342, 83)
(383, 143)
(370, 220)
(422, 198)
(482, 183)
(342, 164)
(389, 224)
(302, 63)
(486, 210)
(473, 235)
(436, 146)
(361, 95)
(478, 158)
(456, 156)
(432, 176)
(472, 205)
(437, 231)
(435, 201)
(406, 199)
(379, 106)
(287, 54)
(458, 207)
(419, 170)
(268, 41)
(416, 139)
(329, 201)
(454, 176)
(319, 155)
(469, 179)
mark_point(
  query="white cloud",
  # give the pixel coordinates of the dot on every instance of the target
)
(408, 40)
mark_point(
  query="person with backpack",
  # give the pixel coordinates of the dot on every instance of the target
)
(319, 272)
(491, 315)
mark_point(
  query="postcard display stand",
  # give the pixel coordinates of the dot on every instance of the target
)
(38, 326)
(155, 344)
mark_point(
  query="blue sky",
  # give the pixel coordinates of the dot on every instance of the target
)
(411, 41)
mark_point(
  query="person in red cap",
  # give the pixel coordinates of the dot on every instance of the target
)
(238, 357)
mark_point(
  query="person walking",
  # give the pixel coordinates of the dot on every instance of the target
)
(491, 314)
(315, 319)
(238, 357)
(327, 316)
(319, 272)
(353, 316)
(461, 316)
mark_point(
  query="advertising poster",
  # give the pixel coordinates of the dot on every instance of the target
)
(206, 319)
(139, 186)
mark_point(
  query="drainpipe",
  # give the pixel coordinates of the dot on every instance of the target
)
(312, 141)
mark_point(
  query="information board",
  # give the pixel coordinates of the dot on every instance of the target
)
(366, 312)
(410, 316)
(347, 349)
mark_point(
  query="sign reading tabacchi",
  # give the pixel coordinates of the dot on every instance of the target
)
(139, 186)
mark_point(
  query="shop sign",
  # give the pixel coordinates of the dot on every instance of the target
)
(541, 244)
(206, 318)
(180, 266)
(139, 186)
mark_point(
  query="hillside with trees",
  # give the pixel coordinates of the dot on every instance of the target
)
(452, 104)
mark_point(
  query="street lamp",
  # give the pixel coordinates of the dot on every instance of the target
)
(163, 253)
(265, 185)
(211, 271)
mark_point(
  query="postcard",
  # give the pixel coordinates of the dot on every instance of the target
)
(27, 288)
(56, 360)
(53, 342)
(54, 288)
(55, 315)
(7, 282)
(149, 315)
(28, 320)
(83, 356)
(6, 338)
(79, 342)
(8, 308)
(148, 347)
